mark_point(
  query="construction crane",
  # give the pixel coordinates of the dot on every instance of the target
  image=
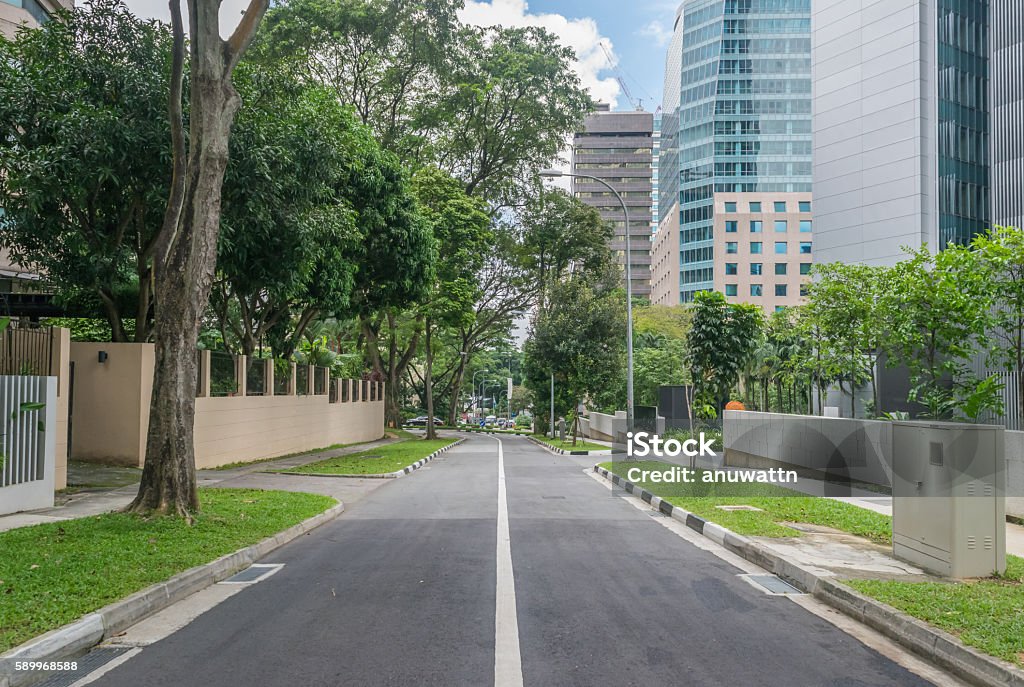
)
(638, 105)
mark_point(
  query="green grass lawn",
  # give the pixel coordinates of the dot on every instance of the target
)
(376, 461)
(986, 614)
(566, 445)
(777, 505)
(53, 574)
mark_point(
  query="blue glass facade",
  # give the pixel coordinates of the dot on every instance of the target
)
(744, 117)
(963, 114)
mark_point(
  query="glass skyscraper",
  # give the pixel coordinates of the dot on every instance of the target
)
(963, 118)
(744, 116)
(1007, 106)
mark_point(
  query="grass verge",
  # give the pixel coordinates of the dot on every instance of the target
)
(53, 574)
(986, 614)
(777, 504)
(567, 445)
(376, 461)
(241, 464)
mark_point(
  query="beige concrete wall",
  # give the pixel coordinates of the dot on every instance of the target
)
(665, 260)
(110, 413)
(12, 18)
(238, 429)
(60, 365)
(743, 258)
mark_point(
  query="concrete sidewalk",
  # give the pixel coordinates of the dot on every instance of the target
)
(95, 501)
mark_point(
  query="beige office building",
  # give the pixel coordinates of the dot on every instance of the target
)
(763, 247)
(15, 13)
(665, 260)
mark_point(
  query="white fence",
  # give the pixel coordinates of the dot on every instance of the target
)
(28, 420)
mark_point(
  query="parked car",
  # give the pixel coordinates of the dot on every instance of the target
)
(421, 421)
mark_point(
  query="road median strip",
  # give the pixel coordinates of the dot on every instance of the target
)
(364, 464)
(602, 451)
(96, 625)
(938, 646)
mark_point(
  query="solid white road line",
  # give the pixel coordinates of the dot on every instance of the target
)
(508, 664)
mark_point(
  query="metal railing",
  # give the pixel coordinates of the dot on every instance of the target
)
(255, 377)
(223, 374)
(26, 350)
(282, 378)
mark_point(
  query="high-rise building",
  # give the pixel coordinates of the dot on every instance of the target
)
(1007, 112)
(618, 147)
(742, 135)
(665, 266)
(901, 126)
(15, 13)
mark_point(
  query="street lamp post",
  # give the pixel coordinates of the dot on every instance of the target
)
(552, 406)
(554, 174)
(474, 388)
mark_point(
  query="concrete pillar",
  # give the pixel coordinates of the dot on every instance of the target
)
(241, 367)
(268, 377)
(203, 391)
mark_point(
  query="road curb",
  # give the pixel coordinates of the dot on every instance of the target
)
(935, 645)
(387, 475)
(563, 452)
(76, 638)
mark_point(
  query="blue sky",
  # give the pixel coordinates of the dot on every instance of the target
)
(637, 30)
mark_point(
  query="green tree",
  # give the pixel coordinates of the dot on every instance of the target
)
(86, 156)
(289, 238)
(846, 304)
(722, 338)
(580, 338)
(511, 102)
(1000, 257)
(938, 313)
(461, 230)
(657, 366)
(388, 58)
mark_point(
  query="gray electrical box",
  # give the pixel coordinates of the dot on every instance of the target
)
(949, 500)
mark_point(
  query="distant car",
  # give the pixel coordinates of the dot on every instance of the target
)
(421, 421)
(491, 420)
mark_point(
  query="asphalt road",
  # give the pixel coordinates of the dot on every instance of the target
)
(401, 590)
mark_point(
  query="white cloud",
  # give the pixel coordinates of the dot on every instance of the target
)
(657, 31)
(582, 35)
(230, 12)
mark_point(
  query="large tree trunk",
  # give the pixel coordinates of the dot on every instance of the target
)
(455, 407)
(428, 383)
(186, 254)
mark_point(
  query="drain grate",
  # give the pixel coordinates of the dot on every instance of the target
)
(254, 573)
(553, 497)
(94, 660)
(772, 585)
